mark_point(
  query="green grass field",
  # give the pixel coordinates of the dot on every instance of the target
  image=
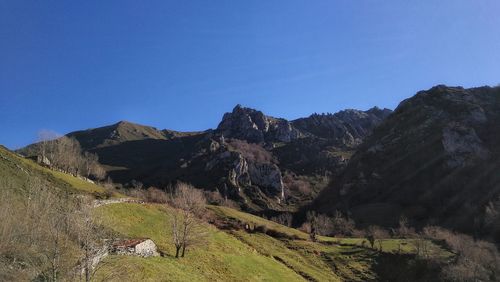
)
(29, 168)
(221, 257)
(56, 178)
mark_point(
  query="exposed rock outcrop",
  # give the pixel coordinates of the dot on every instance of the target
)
(253, 126)
(238, 175)
(347, 128)
(462, 145)
(269, 177)
(434, 160)
(243, 173)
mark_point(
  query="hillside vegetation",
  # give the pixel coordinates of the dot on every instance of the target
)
(267, 252)
(40, 222)
(238, 255)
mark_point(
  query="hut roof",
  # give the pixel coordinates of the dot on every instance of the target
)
(128, 243)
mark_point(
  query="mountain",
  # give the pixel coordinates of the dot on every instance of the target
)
(120, 132)
(435, 160)
(260, 162)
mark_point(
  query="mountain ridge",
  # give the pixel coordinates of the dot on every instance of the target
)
(222, 159)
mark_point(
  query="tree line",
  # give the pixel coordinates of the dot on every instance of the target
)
(65, 153)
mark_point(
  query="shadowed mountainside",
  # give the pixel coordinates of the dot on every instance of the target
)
(435, 160)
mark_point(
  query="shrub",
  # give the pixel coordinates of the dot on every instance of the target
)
(250, 151)
(404, 230)
(305, 227)
(155, 195)
(297, 185)
(475, 260)
(343, 225)
(283, 219)
(137, 193)
(375, 234)
(214, 198)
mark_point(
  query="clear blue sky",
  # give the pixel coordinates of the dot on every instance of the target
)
(69, 65)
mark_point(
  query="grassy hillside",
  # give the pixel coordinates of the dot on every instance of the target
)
(19, 169)
(221, 257)
(237, 255)
(38, 230)
(233, 254)
(33, 201)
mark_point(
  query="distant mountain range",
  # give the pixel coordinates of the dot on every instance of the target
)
(435, 159)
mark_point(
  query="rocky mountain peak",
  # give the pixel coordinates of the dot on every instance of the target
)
(253, 126)
(347, 128)
(381, 113)
(123, 123)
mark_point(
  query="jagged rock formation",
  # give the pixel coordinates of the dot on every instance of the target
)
(253, 126)
(435, 160)
(246, 158)
(347, 128)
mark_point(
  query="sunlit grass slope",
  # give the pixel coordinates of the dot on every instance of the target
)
(221, 257)
(26, 168)
(236, 255)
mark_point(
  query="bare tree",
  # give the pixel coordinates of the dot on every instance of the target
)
(317, 224)
(177, 229)
(57, 242)
(284, 219)
(311, 220)
(343, 225)
(36, 232)
(89, 237)
(45, 137)
(475, 260)
(189, 203)
(422, 246)
(375, 234)
(324, 225)
(90, 166)
(404, 230)
(64, 153)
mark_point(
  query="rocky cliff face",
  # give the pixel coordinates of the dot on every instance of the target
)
(253, 126)
(435, 160)
(245, 174)
(347, 128)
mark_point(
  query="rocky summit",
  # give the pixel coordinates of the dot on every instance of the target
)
(253, 126)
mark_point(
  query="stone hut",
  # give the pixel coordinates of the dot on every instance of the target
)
(135, 247)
